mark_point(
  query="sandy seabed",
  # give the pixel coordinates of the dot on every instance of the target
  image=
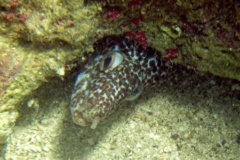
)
(196, 117)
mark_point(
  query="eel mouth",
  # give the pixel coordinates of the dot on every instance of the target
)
(80, 118)
(84, 120)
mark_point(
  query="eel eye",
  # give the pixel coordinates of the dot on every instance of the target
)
(111, 60)
(107, 61)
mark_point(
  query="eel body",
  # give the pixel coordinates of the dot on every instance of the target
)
(119, 69)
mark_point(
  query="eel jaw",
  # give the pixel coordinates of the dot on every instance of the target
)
(88, 113)
(83, 123)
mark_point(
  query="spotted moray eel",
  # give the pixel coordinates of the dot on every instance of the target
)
(119, 69)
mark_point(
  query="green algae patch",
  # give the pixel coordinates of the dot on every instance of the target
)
(50, 22)
(61, 24)
(22, 71)
(39, 38)
(31, 68)
(220, 61)
(11, 61)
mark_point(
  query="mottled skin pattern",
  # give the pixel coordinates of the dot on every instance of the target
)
(118, 70)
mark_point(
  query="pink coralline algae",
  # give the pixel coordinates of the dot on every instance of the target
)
(9, 67)
(10, 16)
(13, 15)
(171, 54)
(137, 20)
(13, 4)
(134, 4)
(114, 13)
(140, 37)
